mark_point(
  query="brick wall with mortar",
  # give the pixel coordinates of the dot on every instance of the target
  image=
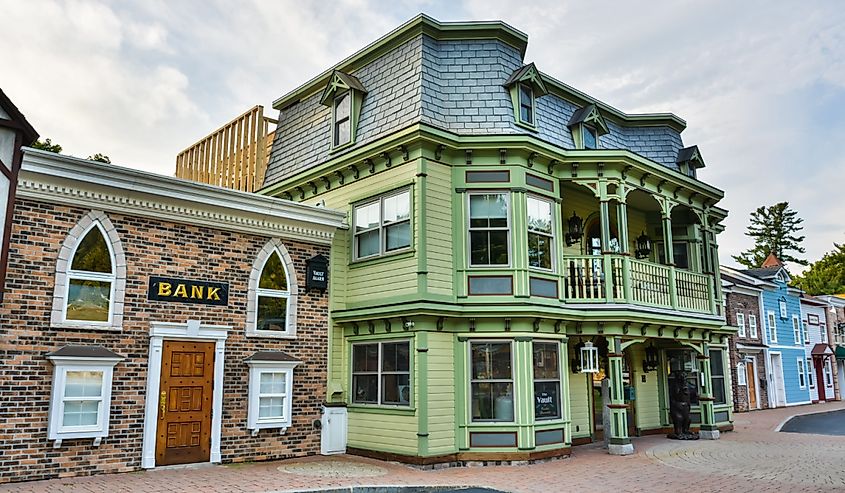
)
(748, 305)
(152, 248)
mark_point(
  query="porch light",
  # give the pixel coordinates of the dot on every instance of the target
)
(576, 362)
(576, 229)
(651, 362)
(643, 246)
(589, 358)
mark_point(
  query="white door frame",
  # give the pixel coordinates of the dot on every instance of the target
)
(777, 379)
(190, 330)
(752, 358)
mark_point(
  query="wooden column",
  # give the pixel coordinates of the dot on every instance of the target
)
(709, 430)
(619, 443)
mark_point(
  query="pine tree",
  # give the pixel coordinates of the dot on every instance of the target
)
(774, 229)
(826, 276)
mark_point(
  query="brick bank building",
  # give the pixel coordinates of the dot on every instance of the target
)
(149, 320)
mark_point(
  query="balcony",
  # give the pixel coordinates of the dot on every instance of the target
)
(622, 279)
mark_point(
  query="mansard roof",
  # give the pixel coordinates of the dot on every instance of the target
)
(591, 116)
(690, 155)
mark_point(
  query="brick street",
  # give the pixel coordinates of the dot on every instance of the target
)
(754, 457)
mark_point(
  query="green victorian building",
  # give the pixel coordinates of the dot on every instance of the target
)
(514, 246)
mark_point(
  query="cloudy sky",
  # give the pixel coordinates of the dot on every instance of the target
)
(760, 83)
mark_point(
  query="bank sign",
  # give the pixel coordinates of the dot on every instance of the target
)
(188, 291)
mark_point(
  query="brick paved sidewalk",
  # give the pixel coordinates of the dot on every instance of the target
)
(753, 458)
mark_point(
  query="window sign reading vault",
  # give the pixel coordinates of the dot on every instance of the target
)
(188, 291)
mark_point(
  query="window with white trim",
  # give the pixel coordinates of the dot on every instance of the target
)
(810, 379)
(823, 332)
(342, 119)
(828, 373)
(381, 373)
(802, 373)
(752, 325)
(782, 306)
(491, 381)
(741, 378)
(806, 332)
(91, 279)
(590, 137)
(540, 233)
(270, 394)
(526, 104)
(382, 225)
(796, 329)
(717, 376)
(740, 323)
(773, 328)
(81, 397)
(489, 229)
(272, 296)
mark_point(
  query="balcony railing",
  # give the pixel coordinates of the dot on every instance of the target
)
(586, 279)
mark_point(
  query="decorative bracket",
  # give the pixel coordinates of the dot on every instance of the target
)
(660, 185)
(314, 188)
(625, 171)
(354, 171)
(440, 322)
(625, 328)
(327, 183)
(288, 195)
(600, 169)
(371, 327)
(536, 325)
(600, 327)
(468, 154)
(691, 197)
(644, 328)
(557, 326)
(472, 325)
(301, 192)
(438, 153)
(355, 329)
(644, 178)
(675, 193)
(578, 328)
(507, 325)
(552, 164)
(503, 156)
(575, 170)
(340, 178)
(387, 159)
(660, 330)
(531, 158)
(371, 164)
(404, 151)
(387, 327)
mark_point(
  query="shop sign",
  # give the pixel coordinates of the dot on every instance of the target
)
(188, 291)
(546, 404)
(317, 273)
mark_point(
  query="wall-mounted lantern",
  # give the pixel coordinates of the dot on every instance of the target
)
(651, 361)
(643, 246)
(589, 358)
(576, 229)
(576, 360)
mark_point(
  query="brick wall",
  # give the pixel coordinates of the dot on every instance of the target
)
(152, 248)
(748, 305)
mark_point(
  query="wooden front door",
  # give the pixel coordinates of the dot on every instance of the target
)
(820, 383)
(184, 407)
(751, 381)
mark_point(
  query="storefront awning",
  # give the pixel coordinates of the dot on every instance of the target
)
(840, 352)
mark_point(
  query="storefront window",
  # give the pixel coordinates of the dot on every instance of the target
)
(381, 373)
(491, 381)
(546, 380)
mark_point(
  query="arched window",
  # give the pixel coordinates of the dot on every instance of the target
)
(271, 309)
(90, 276)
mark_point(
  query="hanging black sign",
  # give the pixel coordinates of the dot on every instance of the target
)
(188, 291)
(317, 273)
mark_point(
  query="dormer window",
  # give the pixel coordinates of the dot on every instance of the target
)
(689, 160)
(342, 130)
(587, 125)
(525, 86)
(526, 104)
(345, 95)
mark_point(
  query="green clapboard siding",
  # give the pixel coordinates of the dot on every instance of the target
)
(383, 432)
(439, 247)
(579, 404)
(336, 374)
(441, 393)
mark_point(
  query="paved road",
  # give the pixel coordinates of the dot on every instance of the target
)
(752, 458)
(830, 423)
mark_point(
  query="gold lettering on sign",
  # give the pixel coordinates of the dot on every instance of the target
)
(181, 291)
(212, 293)
(196, 292)
(164, 289)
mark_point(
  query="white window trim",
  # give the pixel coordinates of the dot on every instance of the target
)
(585, 128)
(380, 372)
(783, 309)
(558, 380)
(810, 370)
(382, 225)
(741, 378)
(62, 365)
(469, 229)
(256, 368)
(802, 373)
(58, 316)
(823, 332)
(752, 325)
(773, 327)
(271, 247)
(348, 118)
(797, 333)
(551, 236)
(740, 323)
(511, 380)
(828, 374)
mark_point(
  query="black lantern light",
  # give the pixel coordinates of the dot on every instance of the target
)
(576, 360)
(576, 229)
(651, 362)
(643, 246)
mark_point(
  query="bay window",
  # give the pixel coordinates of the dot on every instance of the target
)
(382, 225)
(540, 233)
(489, 229)
(381, 373)
(491, 381)
(547, 380)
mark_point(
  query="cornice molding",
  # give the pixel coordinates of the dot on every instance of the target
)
(78, 182)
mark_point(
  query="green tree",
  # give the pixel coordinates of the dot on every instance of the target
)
(825, 276)
(47, 145)
(774, 229)
(100, 157)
